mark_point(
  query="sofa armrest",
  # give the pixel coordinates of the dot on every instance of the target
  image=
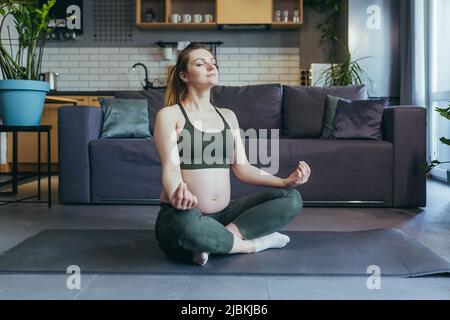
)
(405, 128)
(77, 126)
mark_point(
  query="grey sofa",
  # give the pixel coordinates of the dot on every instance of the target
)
(383, 173)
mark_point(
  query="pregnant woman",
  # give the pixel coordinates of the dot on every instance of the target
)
(197, 217)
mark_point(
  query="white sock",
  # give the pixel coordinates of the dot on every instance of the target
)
(200, 258)
(273, 240)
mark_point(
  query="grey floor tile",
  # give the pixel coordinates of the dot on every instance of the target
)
(39, 287)
(355, 288)
(176, 287)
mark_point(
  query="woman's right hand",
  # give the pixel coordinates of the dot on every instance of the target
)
(182, 198)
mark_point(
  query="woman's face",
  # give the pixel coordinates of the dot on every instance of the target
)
(202, 70)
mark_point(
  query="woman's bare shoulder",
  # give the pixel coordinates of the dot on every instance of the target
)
(168, 112)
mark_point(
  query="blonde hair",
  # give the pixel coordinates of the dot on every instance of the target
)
(176, 88)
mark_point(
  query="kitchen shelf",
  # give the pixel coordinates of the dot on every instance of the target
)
(224, 12)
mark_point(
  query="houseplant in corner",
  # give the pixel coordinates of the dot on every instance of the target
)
(446, 114)
(22, 95)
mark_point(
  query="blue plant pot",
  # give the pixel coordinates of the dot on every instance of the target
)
(22, 101)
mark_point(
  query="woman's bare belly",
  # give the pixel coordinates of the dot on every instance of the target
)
(210, 186)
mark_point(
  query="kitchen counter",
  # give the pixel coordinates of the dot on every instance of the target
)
(93, 93)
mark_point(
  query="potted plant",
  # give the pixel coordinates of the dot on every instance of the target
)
(346, 73)
(22, 94)
(446, 114)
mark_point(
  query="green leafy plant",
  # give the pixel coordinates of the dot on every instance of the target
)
(348, 72)
(330, 26)
(446, 114)
(31, 23)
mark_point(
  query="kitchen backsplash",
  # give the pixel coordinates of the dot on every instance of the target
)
(92, 69)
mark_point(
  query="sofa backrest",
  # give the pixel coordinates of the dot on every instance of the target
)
(303, 108)
(255, 106)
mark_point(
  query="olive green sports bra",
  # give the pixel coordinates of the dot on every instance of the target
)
(200, 150)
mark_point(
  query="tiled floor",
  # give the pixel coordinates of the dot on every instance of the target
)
(430, 225)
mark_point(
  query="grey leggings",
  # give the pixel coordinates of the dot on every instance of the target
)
(181, 232)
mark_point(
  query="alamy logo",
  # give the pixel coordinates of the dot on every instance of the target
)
(374, 19)
(74, 280)
(374, 280)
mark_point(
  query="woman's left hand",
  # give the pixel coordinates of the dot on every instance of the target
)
(299, 176)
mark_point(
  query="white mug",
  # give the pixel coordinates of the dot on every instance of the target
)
(187, 18)
(167, 53)
(207, 18)
(175, 18)
(198, 18)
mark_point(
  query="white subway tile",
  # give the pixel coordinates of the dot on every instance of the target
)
(294, 57)
(69, 50)
(108, 50)
(49, 64)
(98, 57)
(289, 77)
(228, 63)
(89, 50)
(239, 83)
(269, 50)
(60, 70)
(249, 63)
(224, 70)
(118, 84)
(239, 70)
(259, 57)
(78, 57)
(148, 51)
(249, 50)
(90, 64)
(71, 63)
(128, 50)
(86, 77)
(80, 70)
(48, 50)
(248, 77)
(108, 77)
(61, 57)
(222, 57)
(234, 57)
(107, 64)
(268, 77)
(272, 63)
(259, 70)
(290, 63)
(228, 50)
(279, 70)
(118, 57)
(279, 57)
(227, 77)
(68, 77)
(98, 84)
(295, 70)
(138, 57)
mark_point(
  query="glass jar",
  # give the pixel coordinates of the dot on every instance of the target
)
(277, 17)
(286, 16)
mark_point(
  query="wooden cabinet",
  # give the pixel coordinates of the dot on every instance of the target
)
(157, 14)
(27, 141)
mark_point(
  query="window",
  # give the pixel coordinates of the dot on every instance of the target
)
(439, 87)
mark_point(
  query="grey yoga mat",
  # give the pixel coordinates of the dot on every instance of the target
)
(308, 253)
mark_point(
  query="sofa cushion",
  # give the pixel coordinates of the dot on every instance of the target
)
(303, 108)
(124, 170)
(124, 118)
(359, 119)
(155, 99)
(255, 106)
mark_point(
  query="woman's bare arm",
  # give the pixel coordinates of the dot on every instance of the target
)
(166, 145)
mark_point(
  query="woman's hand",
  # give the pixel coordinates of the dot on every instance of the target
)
(299, 176)
(182, 198)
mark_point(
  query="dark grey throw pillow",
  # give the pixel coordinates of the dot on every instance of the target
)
(359, 119)
(155, 98)
(330, 112)
(124, 118)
